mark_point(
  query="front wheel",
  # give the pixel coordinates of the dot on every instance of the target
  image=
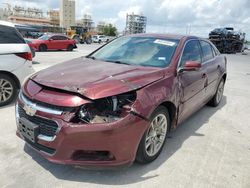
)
(154, 138)
(43, 48)
(215, 101)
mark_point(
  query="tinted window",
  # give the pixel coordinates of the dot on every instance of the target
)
(10, 35)
(191, 52)
(62, 38)
(207, 51)
(144, 51)
(56, 38)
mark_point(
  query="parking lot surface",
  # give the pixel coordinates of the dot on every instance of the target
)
(211, 149)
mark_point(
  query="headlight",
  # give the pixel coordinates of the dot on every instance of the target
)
(106, 110)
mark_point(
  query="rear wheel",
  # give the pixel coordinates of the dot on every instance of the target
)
(215, 101)
(70, 47)
(8, 90)
(43, 48)
(154, 138)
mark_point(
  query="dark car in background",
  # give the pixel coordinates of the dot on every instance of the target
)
(53, 42)
(118, 104)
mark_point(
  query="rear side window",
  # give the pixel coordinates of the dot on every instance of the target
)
(9, 35)
(191, 52)
(207, 51)
(62, 38)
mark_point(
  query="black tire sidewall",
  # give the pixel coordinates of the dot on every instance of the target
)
(142, 156)
(42, 48)
(70, 47)
(15, 89)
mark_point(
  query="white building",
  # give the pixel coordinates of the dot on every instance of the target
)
(3, 14)
(67, 13)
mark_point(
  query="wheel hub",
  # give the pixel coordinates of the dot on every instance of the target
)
(156, 135)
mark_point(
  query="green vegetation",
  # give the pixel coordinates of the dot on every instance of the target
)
(109, 30)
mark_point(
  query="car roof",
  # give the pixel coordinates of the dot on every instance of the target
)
(166, 36)
(5, 23)
(54, 34)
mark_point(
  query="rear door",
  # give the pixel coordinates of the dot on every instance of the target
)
(63, 42)
(191, 83)
(211, 64)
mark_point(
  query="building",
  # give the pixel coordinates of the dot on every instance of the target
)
(3, 14)
(54, 17)
(86, 22)
(135, 24)
(67, 13)
(100, 27)
(29, 16)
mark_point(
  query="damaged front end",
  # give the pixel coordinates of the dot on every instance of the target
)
(106, 110)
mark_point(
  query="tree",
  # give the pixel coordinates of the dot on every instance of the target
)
(109, 30)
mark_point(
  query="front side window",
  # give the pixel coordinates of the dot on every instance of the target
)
(191, 52)
(144, 51)
(207, 51)
(9, 35)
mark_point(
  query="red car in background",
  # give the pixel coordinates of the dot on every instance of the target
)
(53, 42)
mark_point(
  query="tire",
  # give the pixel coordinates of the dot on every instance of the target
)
(99, 41)
(43, 48)
(215, 101)
(152, 143)
(8, 90)
(70, 47)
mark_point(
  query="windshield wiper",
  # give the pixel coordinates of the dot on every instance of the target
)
(91, 57)
(118, 62)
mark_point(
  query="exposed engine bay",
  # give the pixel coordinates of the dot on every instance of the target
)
(106, 110)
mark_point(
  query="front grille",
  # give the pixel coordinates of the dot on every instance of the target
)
(46, 127)
(46, 105)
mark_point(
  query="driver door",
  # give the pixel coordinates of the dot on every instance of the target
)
(53, 43)
(191, 82)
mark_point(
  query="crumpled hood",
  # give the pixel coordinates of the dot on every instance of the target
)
(96, 79)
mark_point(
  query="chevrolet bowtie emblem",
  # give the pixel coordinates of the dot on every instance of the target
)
(29, 110)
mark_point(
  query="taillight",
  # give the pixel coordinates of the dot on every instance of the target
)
(26, 55)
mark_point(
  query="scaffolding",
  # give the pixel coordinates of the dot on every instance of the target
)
(135, 24)
(86, 22)
(54, 17)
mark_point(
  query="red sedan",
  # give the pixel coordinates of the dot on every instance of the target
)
(53, 42)
(118, 104)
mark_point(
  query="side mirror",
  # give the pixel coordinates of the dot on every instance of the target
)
(50, 39)
(190, 66)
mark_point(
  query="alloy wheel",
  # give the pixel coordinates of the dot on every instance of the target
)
(220, 92)
(156, 135)
(6, 90)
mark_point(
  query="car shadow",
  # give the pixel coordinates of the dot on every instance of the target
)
(136, 172)
(8, 106)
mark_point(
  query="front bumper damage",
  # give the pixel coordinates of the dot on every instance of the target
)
(64, 142)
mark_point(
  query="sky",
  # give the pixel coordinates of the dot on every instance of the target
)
(196, 17)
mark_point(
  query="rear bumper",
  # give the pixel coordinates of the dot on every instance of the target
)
(98, 145)
(24, 71)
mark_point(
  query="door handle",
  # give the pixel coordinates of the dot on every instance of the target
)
(204, 75)
(218, 67)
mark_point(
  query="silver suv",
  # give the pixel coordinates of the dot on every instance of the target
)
(15, 62)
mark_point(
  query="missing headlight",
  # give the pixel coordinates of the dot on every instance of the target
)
(106, 110)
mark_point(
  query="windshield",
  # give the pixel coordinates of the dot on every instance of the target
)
(44, 37)
(144, 51)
